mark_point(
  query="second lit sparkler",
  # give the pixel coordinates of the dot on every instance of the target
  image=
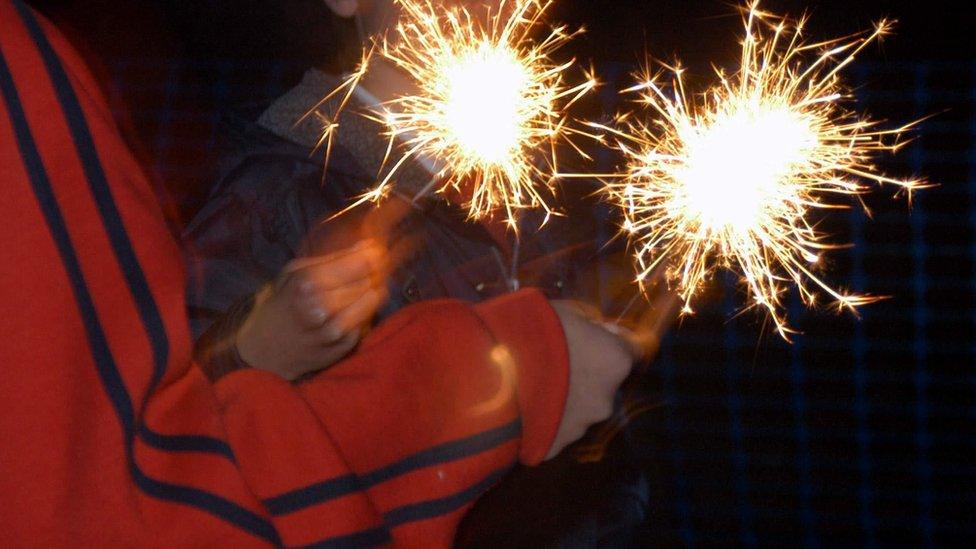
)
(734, 180)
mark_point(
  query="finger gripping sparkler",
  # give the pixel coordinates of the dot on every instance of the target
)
(734, 178)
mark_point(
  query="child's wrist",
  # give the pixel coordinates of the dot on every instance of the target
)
(218, 354)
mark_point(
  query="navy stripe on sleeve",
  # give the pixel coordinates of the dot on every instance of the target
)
(366, 538)
(185, 443)
(44, 193)
(416, 512)
(119, 239)
(347, 484)
(441, 506)
(105, 364)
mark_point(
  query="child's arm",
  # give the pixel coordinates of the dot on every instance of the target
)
(438, 403)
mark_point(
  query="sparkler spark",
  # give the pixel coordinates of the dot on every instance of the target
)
(490, 103)
(733, 179)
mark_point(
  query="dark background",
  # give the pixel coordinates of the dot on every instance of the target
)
(862, 431)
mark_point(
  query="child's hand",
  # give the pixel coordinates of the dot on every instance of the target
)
(601, 355)
(599, 361)
(315, 314)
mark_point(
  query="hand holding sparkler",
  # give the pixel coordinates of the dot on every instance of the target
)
(323, 303)
(602, 353)
(599, 361)
(316, 312)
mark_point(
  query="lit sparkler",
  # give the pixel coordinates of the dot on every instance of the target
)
(734, 179)
(490, 103)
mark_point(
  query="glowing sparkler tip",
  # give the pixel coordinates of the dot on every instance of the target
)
(734, 178)
(484, 102)
(490, 104)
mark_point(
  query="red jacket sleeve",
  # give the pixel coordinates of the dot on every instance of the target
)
(112, 437)
(404, 435)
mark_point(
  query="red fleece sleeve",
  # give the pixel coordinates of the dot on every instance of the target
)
(436, 406)
(542, 361)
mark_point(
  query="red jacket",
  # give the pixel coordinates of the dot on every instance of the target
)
(111, 436)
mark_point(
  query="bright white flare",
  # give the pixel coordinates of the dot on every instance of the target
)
(735, 169)
(734, 178)
(484, 110)
(490, 104)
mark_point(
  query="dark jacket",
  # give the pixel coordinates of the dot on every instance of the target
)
(271, 204)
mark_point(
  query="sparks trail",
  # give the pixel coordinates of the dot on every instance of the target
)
(342, 94)
(490, 106)
(735, 178)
